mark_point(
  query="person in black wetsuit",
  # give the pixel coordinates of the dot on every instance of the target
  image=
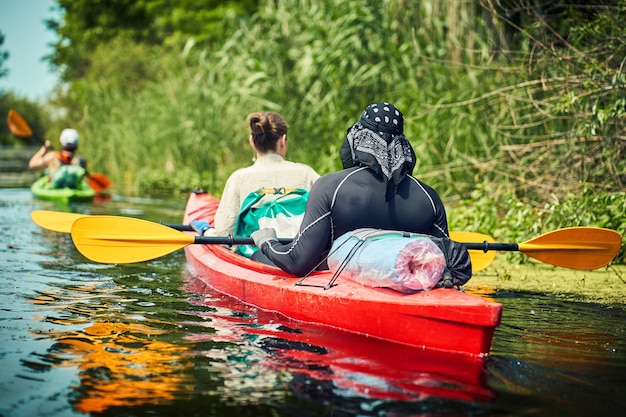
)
(375, 189)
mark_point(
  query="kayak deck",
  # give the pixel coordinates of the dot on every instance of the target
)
(442, 319)
(41, 190)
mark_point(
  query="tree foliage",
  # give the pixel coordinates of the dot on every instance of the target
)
(87, 25)
(565, 118)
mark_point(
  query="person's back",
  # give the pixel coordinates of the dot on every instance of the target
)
(269, 171)
(414, 208)
(65, 168)
(268, 138)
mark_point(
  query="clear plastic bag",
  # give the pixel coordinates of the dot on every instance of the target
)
(381, 258)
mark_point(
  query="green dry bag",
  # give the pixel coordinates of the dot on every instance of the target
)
(283, 213)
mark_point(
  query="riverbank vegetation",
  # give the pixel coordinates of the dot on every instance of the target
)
(603, 286)
(516, 109)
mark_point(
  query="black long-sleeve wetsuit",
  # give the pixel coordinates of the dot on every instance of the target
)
(351, 199)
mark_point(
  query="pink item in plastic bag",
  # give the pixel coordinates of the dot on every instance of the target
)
(380, 258)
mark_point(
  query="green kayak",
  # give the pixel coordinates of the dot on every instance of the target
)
(42, 189)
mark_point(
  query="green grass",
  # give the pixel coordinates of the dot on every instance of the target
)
(605, 286)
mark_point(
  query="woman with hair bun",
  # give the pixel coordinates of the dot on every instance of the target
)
(268, 138)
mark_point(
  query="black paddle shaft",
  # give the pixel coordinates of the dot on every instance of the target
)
(486, 246)
(235, 240)
(181, 227)
(229, 240)
(217, 240)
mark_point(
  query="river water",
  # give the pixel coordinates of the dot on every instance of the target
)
(78, 338)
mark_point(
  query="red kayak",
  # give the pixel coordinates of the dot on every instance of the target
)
(441, 319)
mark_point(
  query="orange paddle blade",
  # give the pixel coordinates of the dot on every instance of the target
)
(18, 126)
(57, 221)
(584, 248)
(480, 259)
(99, 182)
(120, 240)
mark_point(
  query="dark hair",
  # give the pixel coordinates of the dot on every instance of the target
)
(266, 128)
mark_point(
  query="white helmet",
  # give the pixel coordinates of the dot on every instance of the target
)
(69, 138)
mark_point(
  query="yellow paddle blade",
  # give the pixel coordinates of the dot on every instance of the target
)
(18, 126)
(480, 259)
(584, 248)
(57, 221)
(120, 240)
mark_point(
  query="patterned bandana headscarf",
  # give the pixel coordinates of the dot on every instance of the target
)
(377, 142)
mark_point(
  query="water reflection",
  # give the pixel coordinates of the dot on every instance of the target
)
(147, 341)
(559, 357)
(80, 338)
(126, 357)
(335, 363)
(119, 363)
(564, 333)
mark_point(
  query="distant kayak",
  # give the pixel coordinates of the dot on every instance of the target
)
(41, 189)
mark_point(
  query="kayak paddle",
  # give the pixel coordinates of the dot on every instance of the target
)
(120, 240)
(18, 127)
(584, 248)
(113, 239)
(59, 221)
(99, 182)
(62, 221)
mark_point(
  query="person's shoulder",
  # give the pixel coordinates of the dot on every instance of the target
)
(304, 168)
(299, 164)
(423, 185)
(237, 176)
(241, 171)
(335, 177)
(418, 181)
(327, 185)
